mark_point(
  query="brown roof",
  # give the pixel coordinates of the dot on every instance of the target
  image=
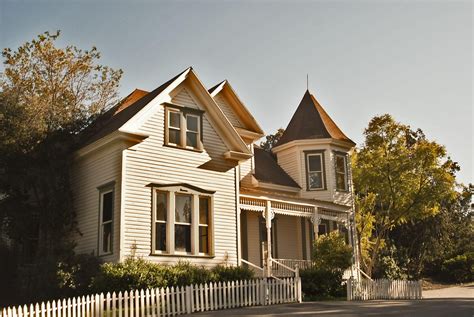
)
(267, 169)
(118, 115)
(310, 121)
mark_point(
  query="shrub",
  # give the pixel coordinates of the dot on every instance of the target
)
(331, 253)
(75, 274)
(139, 273)
(331, 257)
(319, 284)
(232, 273)
(459, 268)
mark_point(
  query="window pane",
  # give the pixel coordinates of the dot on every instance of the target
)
(191, 139)
(107, 204)
(314, 162)
(182, 238)
(316, 180)
(203, 239)
(204, 210)
(160, 236)
(183, 208)
(192, 123)
(107, 237)
(161, 203)
(174, 136)
(340, 164)
(175, 118)
(340, 181)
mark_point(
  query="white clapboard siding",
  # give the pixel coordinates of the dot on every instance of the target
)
(290, 162)
(228, 111)
(383, 289)
(87, 174)
(170, 301)
(150, 161)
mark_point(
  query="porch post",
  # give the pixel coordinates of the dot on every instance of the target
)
(315, 220)
(268, 223)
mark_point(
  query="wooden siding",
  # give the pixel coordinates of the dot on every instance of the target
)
(150, 161)
(228, 111)
(247, 169)
(253, 238)
(89, 172)
(292, 160)
(288, 237)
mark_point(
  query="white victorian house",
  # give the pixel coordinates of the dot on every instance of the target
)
(173, 174)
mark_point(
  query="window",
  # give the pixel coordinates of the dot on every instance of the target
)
(315, 170)
(341, 172)
(182, 220)
(322, 229)
(174, 128)
(161, 216)
(106, 220)
(184, 128)
(182, 230)
(204, 209)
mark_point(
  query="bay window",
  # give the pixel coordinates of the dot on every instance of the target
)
(182, 217)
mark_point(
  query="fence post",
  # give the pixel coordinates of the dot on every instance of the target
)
(189, 309)
(349, 288)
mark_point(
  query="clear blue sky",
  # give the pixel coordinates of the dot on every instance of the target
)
(412, 59)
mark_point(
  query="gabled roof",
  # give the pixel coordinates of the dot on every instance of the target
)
(310, 121)
(267, 170)
(237, 105)
(118, 115)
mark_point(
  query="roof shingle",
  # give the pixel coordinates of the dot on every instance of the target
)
(267, 170)
(310, 121)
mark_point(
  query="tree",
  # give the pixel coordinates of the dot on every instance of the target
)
(407, 176)
(271, 140)
(48, 95)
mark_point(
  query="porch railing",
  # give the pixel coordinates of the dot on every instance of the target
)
(259, 271)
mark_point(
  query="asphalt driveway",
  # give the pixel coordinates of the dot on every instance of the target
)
(435, 303)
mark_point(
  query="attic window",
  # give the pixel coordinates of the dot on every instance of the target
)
(183, 128)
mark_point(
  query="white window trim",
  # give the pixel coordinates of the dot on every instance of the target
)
(346, 180)
(170, 223)
(155, 221)
(183, 129)
(208, 225)
(308, 172)
(198, 132)
(102, 193)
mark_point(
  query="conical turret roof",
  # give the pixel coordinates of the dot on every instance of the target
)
(310, 121)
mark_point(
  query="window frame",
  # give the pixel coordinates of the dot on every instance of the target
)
(208, 225)
(155, 221)
(184, 112)
(320, 153)
(103, 190)
(190, 224)
(345, 157)
(172, 191)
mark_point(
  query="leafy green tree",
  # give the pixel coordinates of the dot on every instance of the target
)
(48, 95)
(408, 176)
(271, 140)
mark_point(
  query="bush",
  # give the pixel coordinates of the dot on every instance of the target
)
(320, 284)
(459, 269)
(331, 253)
(75, 274)
(232, 273)
(331, 257)
(139, 273)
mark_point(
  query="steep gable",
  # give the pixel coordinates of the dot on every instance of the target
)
(310, 121)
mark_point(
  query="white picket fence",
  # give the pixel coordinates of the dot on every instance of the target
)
(169, 301)
(383, 289)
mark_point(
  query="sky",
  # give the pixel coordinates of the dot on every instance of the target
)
(411, 59)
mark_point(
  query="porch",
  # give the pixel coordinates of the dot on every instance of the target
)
(276, 236)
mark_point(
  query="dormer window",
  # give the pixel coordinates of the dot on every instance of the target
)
(315, 174)
(183, 128)
(341, 171)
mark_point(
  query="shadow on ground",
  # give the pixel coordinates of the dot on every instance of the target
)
(427, 307)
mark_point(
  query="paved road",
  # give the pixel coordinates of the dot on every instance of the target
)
(440, 303)
(451, 292)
